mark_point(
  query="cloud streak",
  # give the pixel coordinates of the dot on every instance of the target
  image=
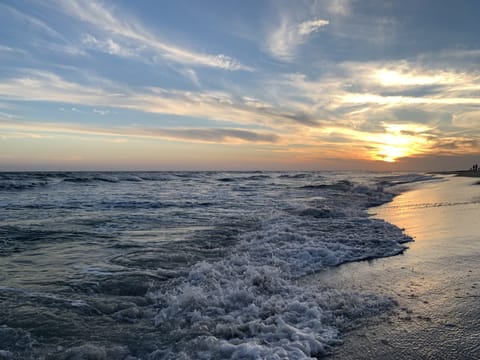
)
(201, 135)
(360, 110)
(213, 105)
(287, 36)
(308, 27)
(350, 87)
(32, 21)
(123, 36)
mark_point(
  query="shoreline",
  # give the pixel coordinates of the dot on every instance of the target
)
(435, 282)
(463, 173)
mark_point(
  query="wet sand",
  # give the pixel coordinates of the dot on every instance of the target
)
(464, 173)
(436, 282)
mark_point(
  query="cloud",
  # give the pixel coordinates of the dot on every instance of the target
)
(191, 75)
(6, 115)
(351, 108)
(101, 112)
(467, 120)
(42, 36)
(218, 135)
(67, 49)
(339, 7)
(284, 40)
(366, 98)
(389, 77)
(6, 49)
(311, 26)
(449, 145)
(32, 21)
(37, 85)
(393, 141)
(405, 74)
(123, 36)
(353, 27)
(108, 46)
(203, 135)
(361, 88)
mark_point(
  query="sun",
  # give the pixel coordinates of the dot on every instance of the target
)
(390, 153)
(398, 141)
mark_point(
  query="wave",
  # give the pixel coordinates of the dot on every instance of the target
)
(342, 185)
(244, 178)
(216, 268)
(17, 185)
(248, 306)
(295, 176)
(29, 180)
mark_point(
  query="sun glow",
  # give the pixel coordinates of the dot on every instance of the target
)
(390, 153)
(393, 142)
(399, 140)
(398, 78)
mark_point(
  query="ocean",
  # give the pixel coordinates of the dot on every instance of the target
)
(187, 265)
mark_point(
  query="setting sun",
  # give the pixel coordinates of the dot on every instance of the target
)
(392, 153)
(398, 141)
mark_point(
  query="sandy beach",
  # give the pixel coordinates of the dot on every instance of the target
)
(436, 282)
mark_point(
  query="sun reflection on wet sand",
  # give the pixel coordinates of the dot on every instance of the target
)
(436, 282)
(438, 211)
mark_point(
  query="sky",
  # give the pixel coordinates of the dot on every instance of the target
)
(239, 85)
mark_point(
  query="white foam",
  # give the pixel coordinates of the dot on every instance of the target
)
(248, 306)
(233, 309)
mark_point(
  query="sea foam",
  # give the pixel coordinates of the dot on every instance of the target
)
(186, 265)
(249, 305)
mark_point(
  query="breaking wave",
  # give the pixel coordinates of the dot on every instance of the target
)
(187, 265)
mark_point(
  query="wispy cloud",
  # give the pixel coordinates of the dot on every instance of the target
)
(101, 112)
(393, 84)
(368, 105)
(365, 106)
(31, 21)
(72, 109)
(191, 75)
(405, 74)
(6, 49)
(109, 46)
(392, 141)
(216, 135)
(467, 120)
(287, 36)
(123, 36)
(65, 49)
(202, 135)
(213, 105)
(349, 27)
(339, 7)
(308, 27)
(6, 115)
(42, 36)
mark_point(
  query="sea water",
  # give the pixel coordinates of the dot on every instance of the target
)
(185, 265)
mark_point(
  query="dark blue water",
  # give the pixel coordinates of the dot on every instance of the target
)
(192, 265)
